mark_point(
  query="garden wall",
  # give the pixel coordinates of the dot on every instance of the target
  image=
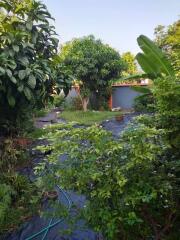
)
(123, 96)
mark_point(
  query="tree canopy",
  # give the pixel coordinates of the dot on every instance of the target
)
(92, 63)
(168, 39)
(129, 59)
(28, 49)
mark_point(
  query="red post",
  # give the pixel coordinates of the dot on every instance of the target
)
(110, 102)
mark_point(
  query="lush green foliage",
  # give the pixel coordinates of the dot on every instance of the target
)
(19, 199)
(27, 45)
(125, 181)
(152, 60)
(144, 102)
(87, 118)
(131, 183)
(129, 59)
(168, 39)
(58, 100)
(28, 65)
(167, 94)
(92, 63)
(11, 155)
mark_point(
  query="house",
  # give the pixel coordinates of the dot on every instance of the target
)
(123, 95)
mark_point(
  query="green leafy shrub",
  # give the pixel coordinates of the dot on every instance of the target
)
(18, 201)
(131, 184)
(128, 183)
(93, 64)
(11, 155)
(19, 198)
(144, 103)
(167, 95)
(29, 66)
(58, 100)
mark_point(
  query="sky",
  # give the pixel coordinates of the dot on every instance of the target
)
(116, 22)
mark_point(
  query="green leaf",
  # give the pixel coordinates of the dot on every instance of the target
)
(13, 79)
(20, 88)
(155, 55)
(11, 100)
(22, 74)
(27, 93)
(32, 81)
(9, 73)
(11, 64)
(16, 48)
(147, 66)
(29, 25)
(24, 60)
(2, 71)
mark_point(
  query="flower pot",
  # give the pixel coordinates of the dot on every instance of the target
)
(52, 195)
(119, 118)
(22, 142)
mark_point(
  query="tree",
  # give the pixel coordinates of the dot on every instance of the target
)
(129, 59)
(93, 64)
(167, 38)
(27, 50)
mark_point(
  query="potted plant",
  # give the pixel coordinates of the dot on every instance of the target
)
(119, 117)
(51, 195)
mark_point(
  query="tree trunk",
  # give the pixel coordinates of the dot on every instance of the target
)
(85, 102)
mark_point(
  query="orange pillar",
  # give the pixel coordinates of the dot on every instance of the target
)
(110, 102)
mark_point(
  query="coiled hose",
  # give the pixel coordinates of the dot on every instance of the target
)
(46, 229)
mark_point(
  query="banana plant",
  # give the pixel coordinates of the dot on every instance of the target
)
(152, 60)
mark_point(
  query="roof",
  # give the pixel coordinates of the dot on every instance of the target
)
(128, 84)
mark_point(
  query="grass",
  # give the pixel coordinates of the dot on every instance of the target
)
(89, 117)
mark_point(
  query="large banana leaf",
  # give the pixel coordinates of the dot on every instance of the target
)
(148, 65)
(152, 60)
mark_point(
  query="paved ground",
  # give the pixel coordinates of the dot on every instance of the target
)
(117, 127)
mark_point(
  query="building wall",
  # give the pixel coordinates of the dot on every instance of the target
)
(123, 96)
(72, 93)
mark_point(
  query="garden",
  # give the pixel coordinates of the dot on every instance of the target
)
(73, 168)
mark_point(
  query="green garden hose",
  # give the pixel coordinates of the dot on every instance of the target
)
(46, 229)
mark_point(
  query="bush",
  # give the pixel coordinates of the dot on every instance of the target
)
(26, 63)
(128, 183)
(144, 103)
(18, 196)
(58, 100)
(18, 201)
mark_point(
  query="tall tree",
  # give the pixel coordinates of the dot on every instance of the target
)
(27, 50)
(168, 39)
(129, 59)
(93, 64)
